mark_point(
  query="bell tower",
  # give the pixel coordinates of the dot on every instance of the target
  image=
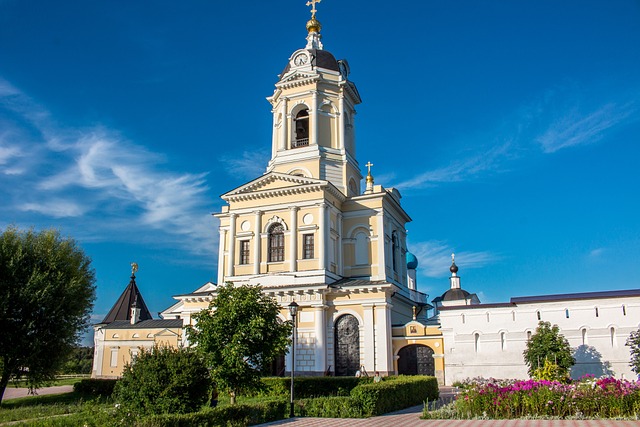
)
(313, 108)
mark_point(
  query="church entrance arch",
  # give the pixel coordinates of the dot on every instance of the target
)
(347, 345)
(416, 359)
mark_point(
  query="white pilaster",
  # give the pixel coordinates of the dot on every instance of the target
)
(314, 118)
(256, 242)
(221, 243)
(382, 273)
(341, 141)
(294, 238)
(322, 234)
(231, 256)
(368, 338)
(384, 355)
(320, 332)
(285, 125)
(340, 249)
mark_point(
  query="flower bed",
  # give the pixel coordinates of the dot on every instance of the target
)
(586, 398)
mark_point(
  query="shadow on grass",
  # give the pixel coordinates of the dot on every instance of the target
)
(51, 399)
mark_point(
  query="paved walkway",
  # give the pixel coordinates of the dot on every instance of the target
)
(411, 417)
(14, 393)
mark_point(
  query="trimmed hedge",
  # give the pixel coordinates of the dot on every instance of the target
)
(328, 407)
(388, 396)
(371, 399)
(95, 387)
(236, 415)
(307, 387)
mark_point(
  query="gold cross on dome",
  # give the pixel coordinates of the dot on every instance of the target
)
(134, 267)
(368, 165)
(313, 3)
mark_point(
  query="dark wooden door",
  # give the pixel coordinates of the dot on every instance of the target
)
(347, 347)
(416, 359)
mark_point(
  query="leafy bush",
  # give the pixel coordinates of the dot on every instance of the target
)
(235, 415)
(548, 344)
(95, 387)
(163, 380)
(329, 407)
(399, 393)
(307, 387)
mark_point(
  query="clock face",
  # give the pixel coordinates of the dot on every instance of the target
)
(300, 59)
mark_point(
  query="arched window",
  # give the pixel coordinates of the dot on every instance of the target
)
(613, 336)
(301, 127)
(566, 313)
(463, 318)
(503, 341)
(513, 316)
(597, 313)
(584, 336)
(528, 335)
(362, 249)
(487, 317)
(276, 243)
(624, 310)
(476, 342)
(538, 315)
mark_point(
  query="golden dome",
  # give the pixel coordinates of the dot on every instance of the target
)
(313, 25)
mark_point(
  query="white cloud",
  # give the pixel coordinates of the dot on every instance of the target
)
(96, 176)
(459, 170)
(249, 164)
(55, 208)
(434, 258)
(596, 253)
(575, 128)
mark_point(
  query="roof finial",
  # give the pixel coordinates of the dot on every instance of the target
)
(369, 187)
(313, 27)
(454, 267)
(134, 268)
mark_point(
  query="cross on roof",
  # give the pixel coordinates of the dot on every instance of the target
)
(313, 3)
(368, 165)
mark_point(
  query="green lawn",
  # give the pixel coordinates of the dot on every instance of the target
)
(66, 380)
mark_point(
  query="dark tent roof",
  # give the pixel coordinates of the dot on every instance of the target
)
(121, 310)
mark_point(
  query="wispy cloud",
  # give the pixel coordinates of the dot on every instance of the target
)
(576, 128)
(561, 118)
(459, 170)
(434, 258)
(596, 253)
(248, 164)
(97, 176)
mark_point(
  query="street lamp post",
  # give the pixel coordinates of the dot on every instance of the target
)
(293, 309)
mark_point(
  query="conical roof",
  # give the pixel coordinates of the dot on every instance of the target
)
(121, 310)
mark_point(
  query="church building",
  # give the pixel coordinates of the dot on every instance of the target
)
(307, 232)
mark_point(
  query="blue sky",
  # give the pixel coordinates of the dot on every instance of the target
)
(511, 129)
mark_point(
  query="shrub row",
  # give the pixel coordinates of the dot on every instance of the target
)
(95, 387)
(236, 415)
(307, 387)
(388, 396)
(371, 399)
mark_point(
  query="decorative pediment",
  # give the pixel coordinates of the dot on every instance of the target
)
(297, 78)
(275, 184)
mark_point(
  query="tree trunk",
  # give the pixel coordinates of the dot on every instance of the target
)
(4, 381)
(232, 396)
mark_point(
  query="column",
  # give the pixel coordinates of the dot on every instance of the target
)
(257, 242)
(382, 267)
(285, 124)
(368, 339)
(314, 118)
(322, 236)
(320, 332)
(384, 350)
(293, 256)
(223, 237)
(231, 255)
(341, 141)
(340, 249)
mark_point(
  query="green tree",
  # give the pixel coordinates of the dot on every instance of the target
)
(79, 361)
(163, 380)
(548, 344)
(634, 342)
(46, 295)
(239, 335)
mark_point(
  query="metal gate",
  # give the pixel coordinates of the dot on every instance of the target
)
(347, 347)
(416, 359)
